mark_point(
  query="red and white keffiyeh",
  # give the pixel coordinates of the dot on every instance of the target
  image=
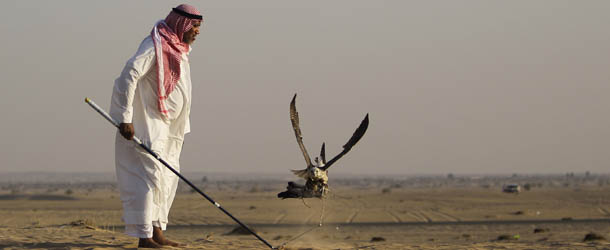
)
(167, 36)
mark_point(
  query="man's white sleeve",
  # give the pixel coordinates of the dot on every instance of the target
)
(125, 86)
(187, 126)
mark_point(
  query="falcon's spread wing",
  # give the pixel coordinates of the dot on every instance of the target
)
(294, 118)
(323, 154)
(352, 141)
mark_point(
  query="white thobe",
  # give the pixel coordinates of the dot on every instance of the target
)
(147, 187)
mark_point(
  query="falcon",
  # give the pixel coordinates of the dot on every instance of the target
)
(316, 172)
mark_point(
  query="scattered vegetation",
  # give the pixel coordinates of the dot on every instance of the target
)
(503, 237)
(377, 239)
(508, 237)
(593, 237)
(449, 180)
(540, 230)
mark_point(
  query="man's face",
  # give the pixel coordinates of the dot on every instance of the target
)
(189, 36)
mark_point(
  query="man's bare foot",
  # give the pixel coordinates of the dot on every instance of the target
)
(167, 242)
(160, 239)
(148, 243)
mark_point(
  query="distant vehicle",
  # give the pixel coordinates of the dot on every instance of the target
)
(511, 188)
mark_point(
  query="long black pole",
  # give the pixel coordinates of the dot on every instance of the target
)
(139, 142)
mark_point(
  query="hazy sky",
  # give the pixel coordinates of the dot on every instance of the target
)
(451, 86)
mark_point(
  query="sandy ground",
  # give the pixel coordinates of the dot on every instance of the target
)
(354, 218)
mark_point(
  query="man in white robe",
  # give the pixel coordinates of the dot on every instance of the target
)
(152, 99)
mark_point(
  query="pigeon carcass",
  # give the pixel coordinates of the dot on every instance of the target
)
(316, 173)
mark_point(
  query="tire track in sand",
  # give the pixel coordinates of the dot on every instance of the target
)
(603, 211)
(417, 216)
(444, 215)
(394, 217)
(360, 204)
(308, 218)
(279, 218)
(351, 218)
(423, 215)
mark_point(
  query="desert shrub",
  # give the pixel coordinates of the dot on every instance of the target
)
(386, 190)
(540, 230)
(593, 236)
(377, 239)
(503, 237)
(69, 192)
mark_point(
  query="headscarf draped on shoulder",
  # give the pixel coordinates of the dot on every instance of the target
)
(167, 36)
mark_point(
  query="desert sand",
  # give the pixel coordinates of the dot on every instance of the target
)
(362, 214)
